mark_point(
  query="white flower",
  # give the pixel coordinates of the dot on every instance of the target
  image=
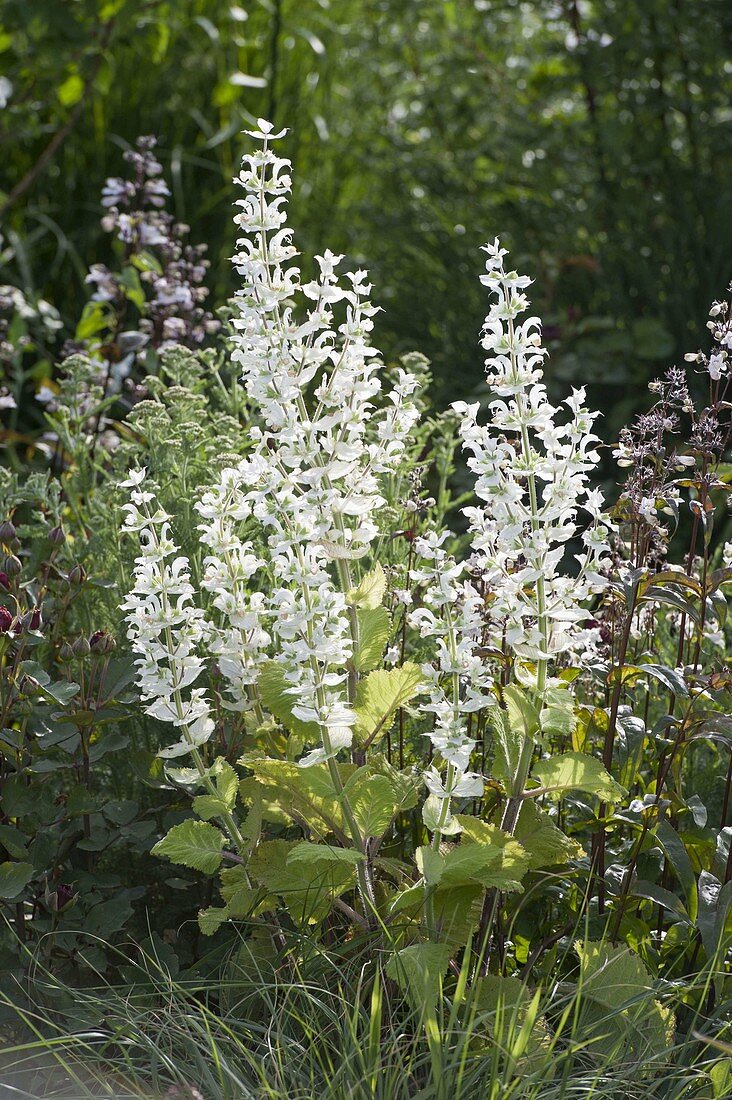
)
(717, 366)
(165, 628)
(311, 485)
(532, 475)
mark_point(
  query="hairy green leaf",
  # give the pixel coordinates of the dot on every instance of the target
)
(379, 697)
(374, 626)
(575, 771)
(194, 844)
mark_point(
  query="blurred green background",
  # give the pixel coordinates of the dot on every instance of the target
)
(593, 137)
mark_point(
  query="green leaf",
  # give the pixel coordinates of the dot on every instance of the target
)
(274, 693)
(16, 798)
(619, 1017)
(210, 920)
(678, 857)
(71, 90)
(145, 261)
(129, 280)
(107, 917)
(372, 800)
(514, 723)
(575, 771)
(307, 884)
(374, 629)
(95, 318)
(369, 593)
(61, 691)
(303, 795)
(418, 970)
(379, 696)
(515, 1021)
(314, 854)
(544, 843)
(640, 888)
(558, 718)
(194, 844)
(13, 841)
(208, 806)
(669, 677)
(14, 877)
(486, 855)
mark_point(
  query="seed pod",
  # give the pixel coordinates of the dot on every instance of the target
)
(81, 647)
(56, 536)
(32, 620)
(12, 566)
(77, 575)
(28, 685)
(102, 642)
(7, 531)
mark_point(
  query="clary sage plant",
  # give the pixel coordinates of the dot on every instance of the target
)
(299, 609)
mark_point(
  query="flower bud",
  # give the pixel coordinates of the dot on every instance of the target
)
(7, 531)
(102, 642)
(6, 620)
(32, 620)
(28, 685)
(77, 575)
(56, 536)
(12, 566)
(63, 897)
(81, 647)
(65, 654)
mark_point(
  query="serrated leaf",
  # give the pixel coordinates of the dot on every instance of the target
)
(193, 844)
(274, 693)
(374, 629)
(544, 843)
(514, 723)
(418, 970)
(372, 800)
(303, 795)
(208, 806)
(305, 852)
(524, 1034)
(379, 696)
(486, 855)
(369, 593)
(619, 1016)
(575, 771)
(558, 718)
(14, 877)
(211, 919)
(306, 885)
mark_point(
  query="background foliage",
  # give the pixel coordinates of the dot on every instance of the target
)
(593, 136)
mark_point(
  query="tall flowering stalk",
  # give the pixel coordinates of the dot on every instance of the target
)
(533, 477)
(457, 680)
(312, 480)
(284, 527)
(168, 633)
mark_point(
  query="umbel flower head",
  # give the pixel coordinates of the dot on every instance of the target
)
(533, 476)
(312, 481)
